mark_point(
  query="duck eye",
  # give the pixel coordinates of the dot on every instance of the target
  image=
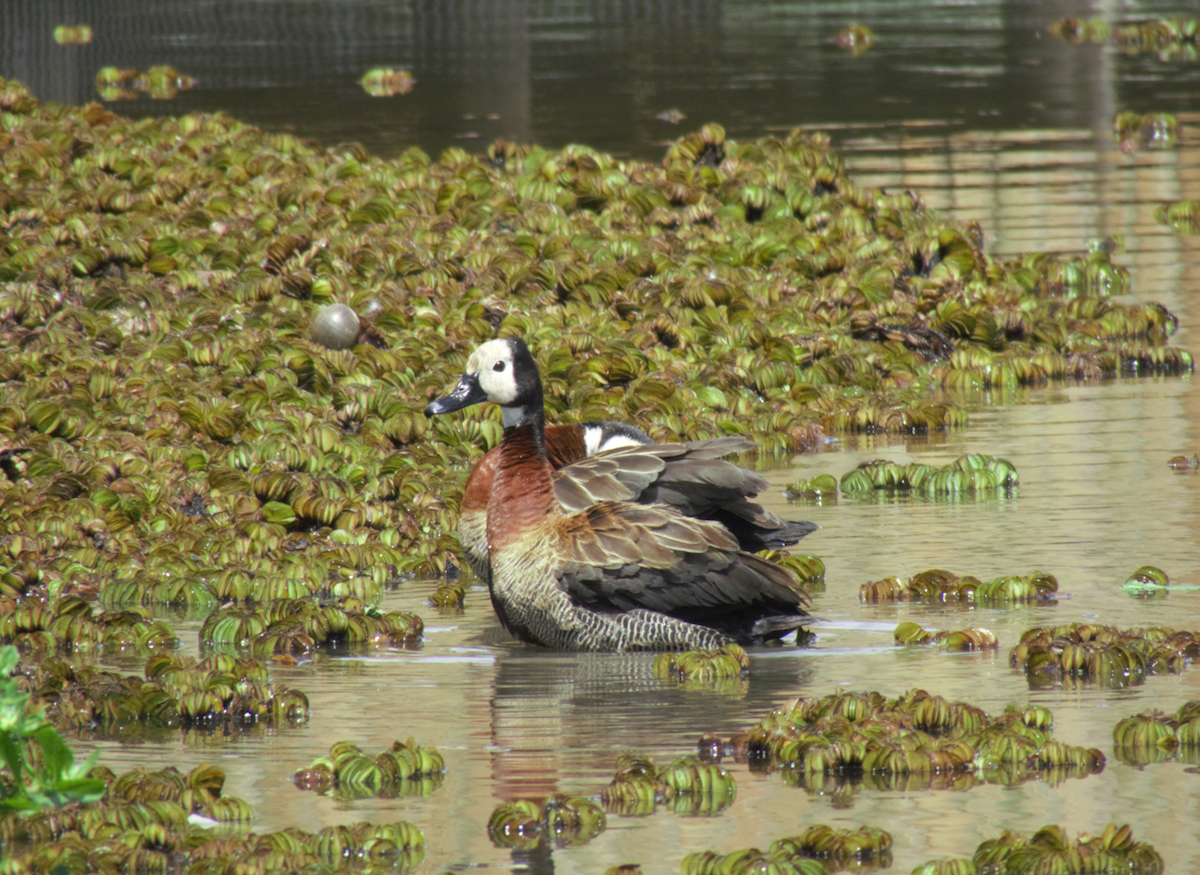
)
(498, 366)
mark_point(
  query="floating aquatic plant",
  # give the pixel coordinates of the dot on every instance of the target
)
(1149, 581)
(386, 81)
(1079, 30)
(815, 490)
(1154, 130)
(1050, 850)
(745, 862)
(406, 769)
(1169, 38)
(856, 38)
(145, 803)
(152, 820)
(296, 627)
(838, 849)
(913, 741)
(973, 474)
(738, 287)
(729, 661)
(160, 83)
(1156, 737)
(71, 624)
(78, 35)
(809, 569)
(1182, 216)
(171, 433)
(176, 692)
(938, 585)
(909, 633)
(817, 850)
(1101, 654)
(688, 786)
(449, 596)
(558, 821)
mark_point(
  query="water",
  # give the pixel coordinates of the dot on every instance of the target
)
(971, 105)
(600, 71)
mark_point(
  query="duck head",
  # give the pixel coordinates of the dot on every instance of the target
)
(501, 371)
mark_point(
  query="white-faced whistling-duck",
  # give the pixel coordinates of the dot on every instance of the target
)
(597, 571)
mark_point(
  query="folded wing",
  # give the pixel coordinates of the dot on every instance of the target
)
(622, 557)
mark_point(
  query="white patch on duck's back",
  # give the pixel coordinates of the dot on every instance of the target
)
(601, 436)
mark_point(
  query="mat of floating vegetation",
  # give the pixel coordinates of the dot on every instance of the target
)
(449, 596)
(1106, 655)
(1154, 130)
(973, 475)
(141, 801)
(1169, 38)
(1182, 216)
(157, 835)
(817, 850)
(177, 692)
(1050, 850)
(808, 568)
(687, 786)
(912, 634)
(333, 574)
(559, 821)
(815, 490)
(166, 396)
(913, 741)
(1152, 736)
(724, 670)
(297, 627)
(937, 585)
(153, 821)
(405, 769)
(71, 624)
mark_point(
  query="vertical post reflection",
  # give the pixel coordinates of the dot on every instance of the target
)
(473, 58)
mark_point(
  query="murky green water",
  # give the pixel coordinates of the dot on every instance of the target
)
(971, 105)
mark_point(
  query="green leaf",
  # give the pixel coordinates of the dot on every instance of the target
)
(14, 755)
(12, 707)
(713, 397)
(56, 756)
(278, 512)
(82, 789)
(8, 660)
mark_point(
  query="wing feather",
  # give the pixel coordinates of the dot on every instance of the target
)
(623, 557)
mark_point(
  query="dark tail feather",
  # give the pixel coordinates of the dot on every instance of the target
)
(769, 628)
(752, 538)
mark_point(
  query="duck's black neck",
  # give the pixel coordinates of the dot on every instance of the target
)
(530, 435)
(527, 416)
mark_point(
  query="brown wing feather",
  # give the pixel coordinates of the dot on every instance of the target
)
(627, 473)
(684, 568)
(614, 475)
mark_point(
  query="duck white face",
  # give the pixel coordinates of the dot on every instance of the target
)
(492, 366)
(503, 372)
